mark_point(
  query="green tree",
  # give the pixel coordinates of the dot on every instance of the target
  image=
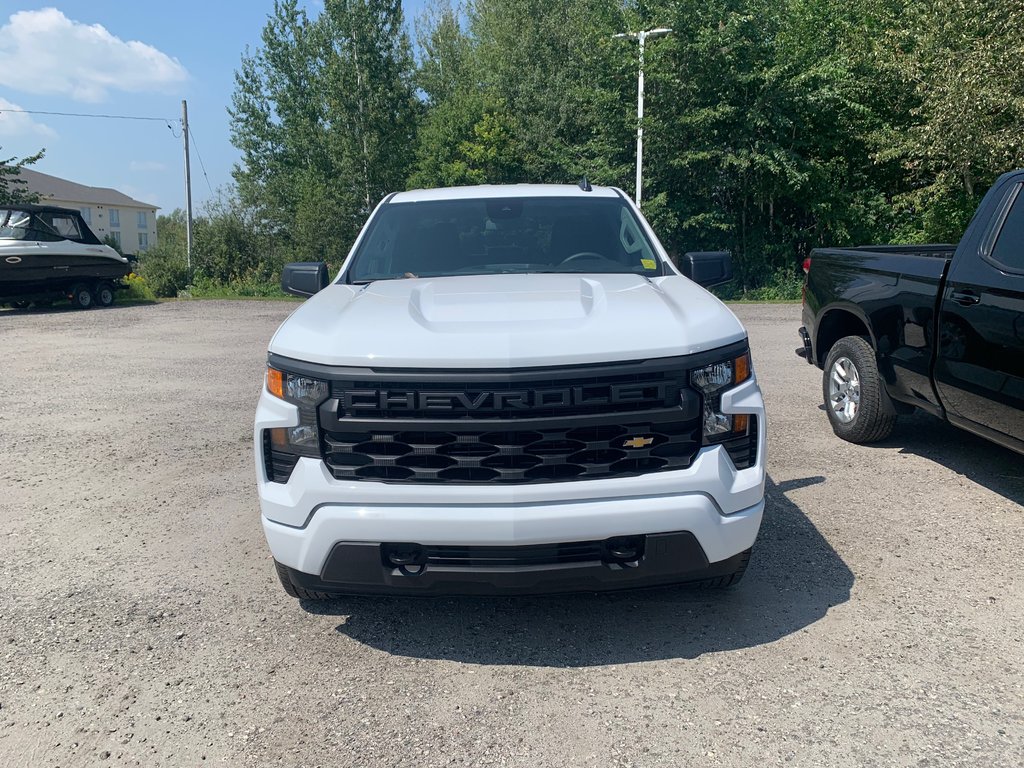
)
(324, 114)
(961, 61)
(12, 187)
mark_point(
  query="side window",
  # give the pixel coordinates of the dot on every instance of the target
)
(1008, 251)
(67, 227)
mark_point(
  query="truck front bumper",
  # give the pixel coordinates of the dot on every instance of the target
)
(690, 524)
(661, 559)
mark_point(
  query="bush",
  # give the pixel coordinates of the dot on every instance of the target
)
(781, 285)
(205, 288)
(165, 270)
(138, 288)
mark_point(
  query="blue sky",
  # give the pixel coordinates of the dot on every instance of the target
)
(127, 57)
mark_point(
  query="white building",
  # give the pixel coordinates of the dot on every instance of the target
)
(107, 212)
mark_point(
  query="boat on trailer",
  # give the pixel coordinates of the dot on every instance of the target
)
(48, 252)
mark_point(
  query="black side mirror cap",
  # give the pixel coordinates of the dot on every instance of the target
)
(707, 268)
(304, 278)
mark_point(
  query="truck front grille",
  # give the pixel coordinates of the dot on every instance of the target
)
(511, 455)
(535, 425)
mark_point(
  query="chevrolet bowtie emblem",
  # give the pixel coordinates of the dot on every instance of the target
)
(638, 442)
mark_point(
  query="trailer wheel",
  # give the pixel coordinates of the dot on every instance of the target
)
(22, 304)
(81, 296)
(104, 294)
(857, 404)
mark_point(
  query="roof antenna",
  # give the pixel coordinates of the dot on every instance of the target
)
(585, 185)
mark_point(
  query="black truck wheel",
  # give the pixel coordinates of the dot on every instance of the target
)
(730, 579)
(104, 294)
(293, 589)
(857, 404)
(81, 296)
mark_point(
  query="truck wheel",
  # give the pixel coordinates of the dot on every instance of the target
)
(293, 589)
(104, 294)
(81, 296)
(730, 579)
(855, 398)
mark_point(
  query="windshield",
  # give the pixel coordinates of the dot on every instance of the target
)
(498, 236)
(14, 224)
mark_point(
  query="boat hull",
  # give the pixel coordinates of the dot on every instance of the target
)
(32, 269)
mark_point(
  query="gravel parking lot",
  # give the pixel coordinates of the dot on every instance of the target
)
(880, 623)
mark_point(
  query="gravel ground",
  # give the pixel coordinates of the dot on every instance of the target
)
(880, 622)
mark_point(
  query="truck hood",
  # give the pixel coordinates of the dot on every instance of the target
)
(506, 321)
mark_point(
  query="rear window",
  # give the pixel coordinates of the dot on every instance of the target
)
(502, 236)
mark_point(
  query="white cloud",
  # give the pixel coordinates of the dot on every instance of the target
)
(84, 61)
(146, 165)
(20, 124)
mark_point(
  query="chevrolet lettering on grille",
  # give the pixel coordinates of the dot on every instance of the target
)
(517, 399)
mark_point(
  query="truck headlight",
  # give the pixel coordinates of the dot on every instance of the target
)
(711, 381)
(307, 393)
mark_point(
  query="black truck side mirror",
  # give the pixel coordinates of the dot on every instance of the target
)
(304, 278)
(706, 268)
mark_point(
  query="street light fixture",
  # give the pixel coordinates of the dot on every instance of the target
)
(641, 37)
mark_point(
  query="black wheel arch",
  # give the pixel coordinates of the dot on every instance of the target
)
(837, 322)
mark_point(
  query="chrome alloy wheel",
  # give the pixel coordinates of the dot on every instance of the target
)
(844, 390)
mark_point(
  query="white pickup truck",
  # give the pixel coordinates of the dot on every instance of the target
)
(509, 390)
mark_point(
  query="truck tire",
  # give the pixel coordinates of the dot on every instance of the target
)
(730, 579)
(81, 296)
(284, 574)
(104, 294)
(857, 404)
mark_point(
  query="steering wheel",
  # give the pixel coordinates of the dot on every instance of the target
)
(582, 255)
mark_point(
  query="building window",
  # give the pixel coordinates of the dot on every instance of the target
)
(116, 237)
(87, 215)
(143, 224)
(115, 217)
(143, 241)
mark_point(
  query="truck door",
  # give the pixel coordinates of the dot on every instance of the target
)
(979, 369)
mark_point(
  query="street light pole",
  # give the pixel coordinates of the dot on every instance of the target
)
(641, 37)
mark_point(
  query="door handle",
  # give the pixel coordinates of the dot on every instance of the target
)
(965, 298)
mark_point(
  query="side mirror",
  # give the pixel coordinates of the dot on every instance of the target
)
(707, 268)
(304, 278)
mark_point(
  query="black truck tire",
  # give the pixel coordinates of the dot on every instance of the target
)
(856, 402)
(730, 579)
(81, 296)
(284, 574)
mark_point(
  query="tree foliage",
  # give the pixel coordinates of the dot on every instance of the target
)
(12, 188)
(324, 114)
(772, 126)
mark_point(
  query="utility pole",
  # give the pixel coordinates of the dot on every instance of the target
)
(188, 187)
(641, 37)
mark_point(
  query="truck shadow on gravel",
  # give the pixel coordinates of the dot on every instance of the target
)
(794, 578)
(988, 464)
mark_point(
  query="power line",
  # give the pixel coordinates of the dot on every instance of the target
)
(202, 165)
(82, 114)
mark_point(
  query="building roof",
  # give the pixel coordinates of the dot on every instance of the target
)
(55, 188)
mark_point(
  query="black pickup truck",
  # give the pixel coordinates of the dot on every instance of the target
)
(935, 327)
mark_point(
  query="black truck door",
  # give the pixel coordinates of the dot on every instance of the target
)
(979, 370)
